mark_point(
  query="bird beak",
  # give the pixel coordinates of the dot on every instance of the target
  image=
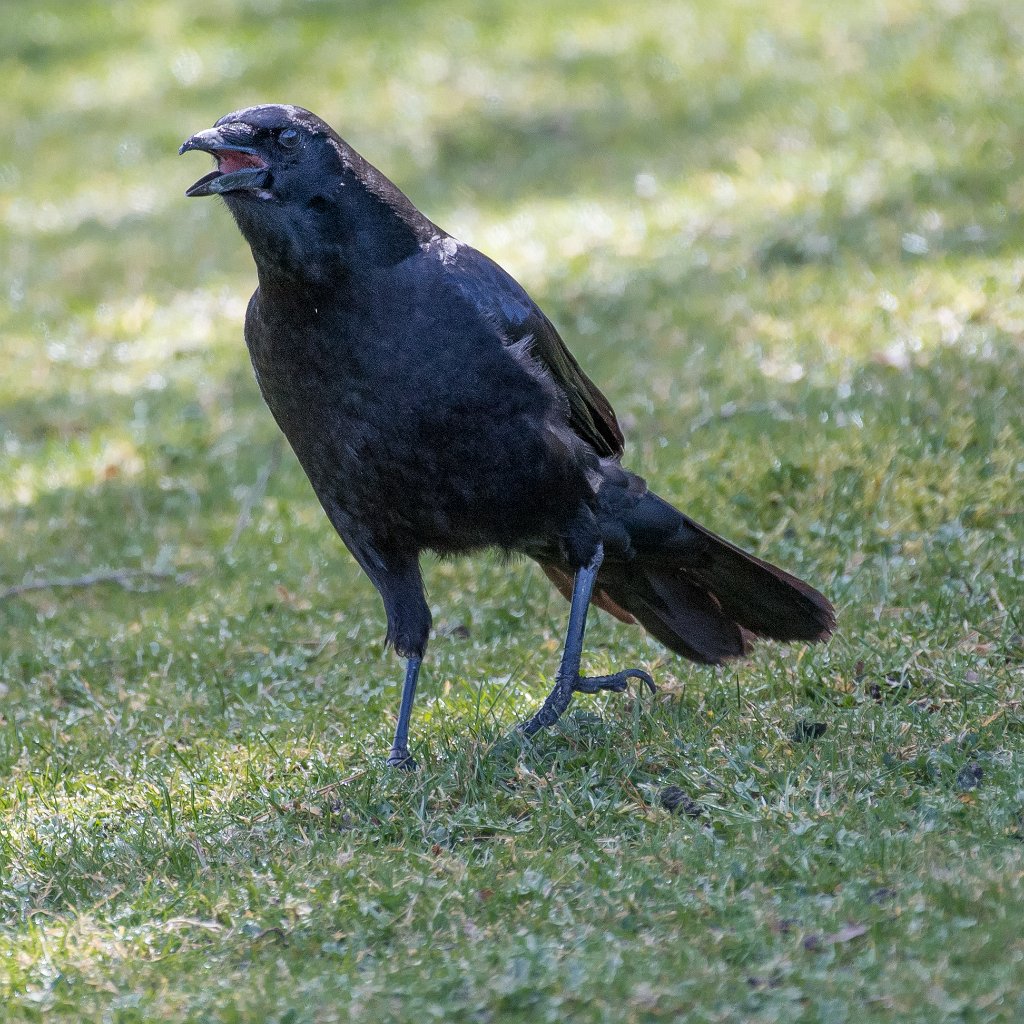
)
(239, 165)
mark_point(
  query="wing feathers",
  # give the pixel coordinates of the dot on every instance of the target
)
(517, 318)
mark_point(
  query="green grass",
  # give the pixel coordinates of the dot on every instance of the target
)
(787, 240)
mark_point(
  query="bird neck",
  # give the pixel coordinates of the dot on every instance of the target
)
(359, 228)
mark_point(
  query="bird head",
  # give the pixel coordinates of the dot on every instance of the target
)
(267, 153)
(296, 190)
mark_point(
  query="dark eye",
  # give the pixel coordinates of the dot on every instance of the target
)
(289, 138)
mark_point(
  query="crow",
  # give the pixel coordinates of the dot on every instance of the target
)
(435, 408)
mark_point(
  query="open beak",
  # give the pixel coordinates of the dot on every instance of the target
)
(239, 166)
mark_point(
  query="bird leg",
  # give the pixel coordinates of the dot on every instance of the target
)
(396, 575)
(400, 756)
(568, 680)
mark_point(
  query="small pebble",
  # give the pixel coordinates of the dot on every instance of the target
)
(673, 799)
(807, 731)
(969, 777)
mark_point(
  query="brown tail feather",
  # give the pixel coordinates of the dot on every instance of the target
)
(600, 599)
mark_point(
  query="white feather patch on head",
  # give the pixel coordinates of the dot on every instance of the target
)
(342, 152)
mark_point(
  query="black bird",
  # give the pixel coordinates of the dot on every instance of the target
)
(434, 407)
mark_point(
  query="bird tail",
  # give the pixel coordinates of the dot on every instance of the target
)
(701, 596)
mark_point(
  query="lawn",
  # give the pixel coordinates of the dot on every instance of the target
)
(788, 242)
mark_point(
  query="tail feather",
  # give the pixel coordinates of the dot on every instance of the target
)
(702, 597)
(563, 584)
(761, 597)
(685, 618)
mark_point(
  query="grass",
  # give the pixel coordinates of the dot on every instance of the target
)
(787, 243)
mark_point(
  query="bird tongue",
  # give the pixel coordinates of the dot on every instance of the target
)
(230, 160)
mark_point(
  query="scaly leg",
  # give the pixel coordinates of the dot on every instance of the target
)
(568, 680)
(396, 575)
(400, 756)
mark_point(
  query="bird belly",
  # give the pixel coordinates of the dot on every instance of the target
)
(445, 477)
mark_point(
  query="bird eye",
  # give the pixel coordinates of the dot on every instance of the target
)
(289, 138)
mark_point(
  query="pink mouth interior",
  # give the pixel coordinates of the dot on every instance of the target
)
(230, 160)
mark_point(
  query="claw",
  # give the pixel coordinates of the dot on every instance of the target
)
(616, 682)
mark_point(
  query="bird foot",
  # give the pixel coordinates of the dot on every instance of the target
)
(560, 697)
(616, 682)
(402, 759)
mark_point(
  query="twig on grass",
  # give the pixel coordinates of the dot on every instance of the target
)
(341, 782)
(136, 579)
(129, 579)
